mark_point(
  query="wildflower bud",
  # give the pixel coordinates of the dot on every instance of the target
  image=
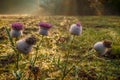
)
(102, 47)
(16, 30)
(25, 45)
(44, 27)
(76, 29)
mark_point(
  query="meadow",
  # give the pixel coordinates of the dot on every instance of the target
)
(61, 56)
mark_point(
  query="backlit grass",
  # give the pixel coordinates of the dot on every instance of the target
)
(83, 62)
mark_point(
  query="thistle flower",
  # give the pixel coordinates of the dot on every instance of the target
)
(16, 30)
(102, 47)
(25, 45)
(76, 29)
(44, 27)
(17, 26)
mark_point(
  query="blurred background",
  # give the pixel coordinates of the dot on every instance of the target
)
(60, 7)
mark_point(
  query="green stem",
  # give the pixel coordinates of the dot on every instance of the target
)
(17, 63)
(35, 56)
(37, 48)
(15, 50)
(65, 72)
(11, 39)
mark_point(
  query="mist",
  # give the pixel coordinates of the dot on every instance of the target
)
(21, 7)
(58, 7)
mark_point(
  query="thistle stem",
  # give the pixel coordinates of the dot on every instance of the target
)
(17, 63)
(65, 72)
(15, 50)
(37, 48)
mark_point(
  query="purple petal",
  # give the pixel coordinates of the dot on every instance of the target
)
(78, 24)
(45, 25)
(17, 26)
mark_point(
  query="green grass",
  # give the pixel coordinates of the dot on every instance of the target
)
(52, 53)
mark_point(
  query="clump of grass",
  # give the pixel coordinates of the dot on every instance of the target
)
(114, 52)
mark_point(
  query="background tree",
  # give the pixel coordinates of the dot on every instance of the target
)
(112, 5)
(61, 7)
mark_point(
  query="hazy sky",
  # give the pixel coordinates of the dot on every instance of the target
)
(18, 6)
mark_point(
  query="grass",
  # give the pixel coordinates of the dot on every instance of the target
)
(83, 63)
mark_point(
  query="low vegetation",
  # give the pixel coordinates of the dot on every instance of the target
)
(60, 55)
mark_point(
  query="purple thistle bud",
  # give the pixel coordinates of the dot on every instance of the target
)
(17, 26)
(25, 45)
(102, 47)
(45, 25)
(78, 24)
(76, 29)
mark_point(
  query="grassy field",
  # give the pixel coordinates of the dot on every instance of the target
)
(53, 61)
